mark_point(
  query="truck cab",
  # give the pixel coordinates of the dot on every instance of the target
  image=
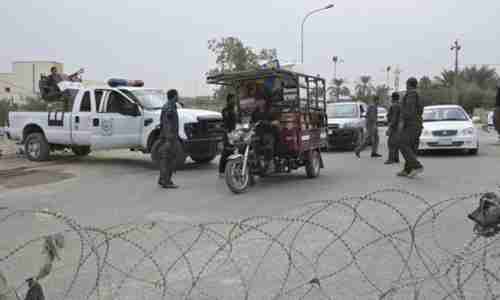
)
(123, 117)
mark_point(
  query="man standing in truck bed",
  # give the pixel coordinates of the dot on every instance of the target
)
(169, 134)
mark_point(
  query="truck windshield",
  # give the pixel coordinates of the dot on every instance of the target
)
(339, 111)
(149, 99)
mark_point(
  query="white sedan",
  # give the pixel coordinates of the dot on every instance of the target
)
(448, 127)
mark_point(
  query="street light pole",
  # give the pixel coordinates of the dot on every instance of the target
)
(336, 60)
(456, 48)
(302, 29)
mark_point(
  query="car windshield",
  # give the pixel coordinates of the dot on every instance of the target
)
(444, 114)
(149, 99)
(342, 111)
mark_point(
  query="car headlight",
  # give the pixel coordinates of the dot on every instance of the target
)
(426, 133)
(468, 131)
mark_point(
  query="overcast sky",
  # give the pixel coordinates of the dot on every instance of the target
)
(164, 42)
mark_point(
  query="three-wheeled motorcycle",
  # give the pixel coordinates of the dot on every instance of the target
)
(281, 124)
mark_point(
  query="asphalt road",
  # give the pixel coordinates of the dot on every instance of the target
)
(118, 187)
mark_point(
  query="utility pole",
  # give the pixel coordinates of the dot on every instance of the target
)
(456, 47)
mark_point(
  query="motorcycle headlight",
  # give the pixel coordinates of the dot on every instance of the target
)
(233, 137)
(247, 137)
(468, 131)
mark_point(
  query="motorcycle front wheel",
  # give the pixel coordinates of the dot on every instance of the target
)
(235, 179)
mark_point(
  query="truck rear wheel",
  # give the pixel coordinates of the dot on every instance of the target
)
(81, 150)
(36, 147)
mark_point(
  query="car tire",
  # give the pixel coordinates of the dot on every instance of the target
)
(81, 150)
(474, 151)
(313, 164)
(202, 159)
(36, 147)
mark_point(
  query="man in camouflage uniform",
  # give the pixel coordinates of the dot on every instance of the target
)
(409, 129)
(169, 134)
(372, 130)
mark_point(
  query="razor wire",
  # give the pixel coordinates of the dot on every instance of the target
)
(388, 244)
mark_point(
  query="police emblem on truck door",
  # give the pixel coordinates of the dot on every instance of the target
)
(107, 127)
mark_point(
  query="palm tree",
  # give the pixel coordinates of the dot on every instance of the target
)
(335, 88)
(447, 78)
(345, 91)
(425, 83)
(484, 76)
(364, 88)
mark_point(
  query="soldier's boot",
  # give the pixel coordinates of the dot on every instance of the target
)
(168, 181)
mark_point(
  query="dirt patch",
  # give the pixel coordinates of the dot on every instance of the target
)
(24, 177)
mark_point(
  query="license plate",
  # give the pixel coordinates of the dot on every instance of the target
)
(445, 142)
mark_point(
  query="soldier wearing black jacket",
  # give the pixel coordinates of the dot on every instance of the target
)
(229, 119)
(409, 128)
(393, 120)
(169, 134)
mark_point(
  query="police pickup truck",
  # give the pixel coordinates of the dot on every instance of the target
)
(115, 117)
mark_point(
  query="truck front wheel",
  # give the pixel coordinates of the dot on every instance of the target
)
(36, 147)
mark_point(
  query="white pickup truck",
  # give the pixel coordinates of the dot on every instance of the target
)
(104, 118)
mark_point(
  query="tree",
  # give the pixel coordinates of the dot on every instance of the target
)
(334, 91)
(484, 76)
(232, 55)
(425, 83)
(446, 79)
(345, 91)
(382, 91)
(364, 88)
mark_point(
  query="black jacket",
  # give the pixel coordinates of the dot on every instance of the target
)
(393, 116)
(411, 111)
(169, 121)
(229, 119)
